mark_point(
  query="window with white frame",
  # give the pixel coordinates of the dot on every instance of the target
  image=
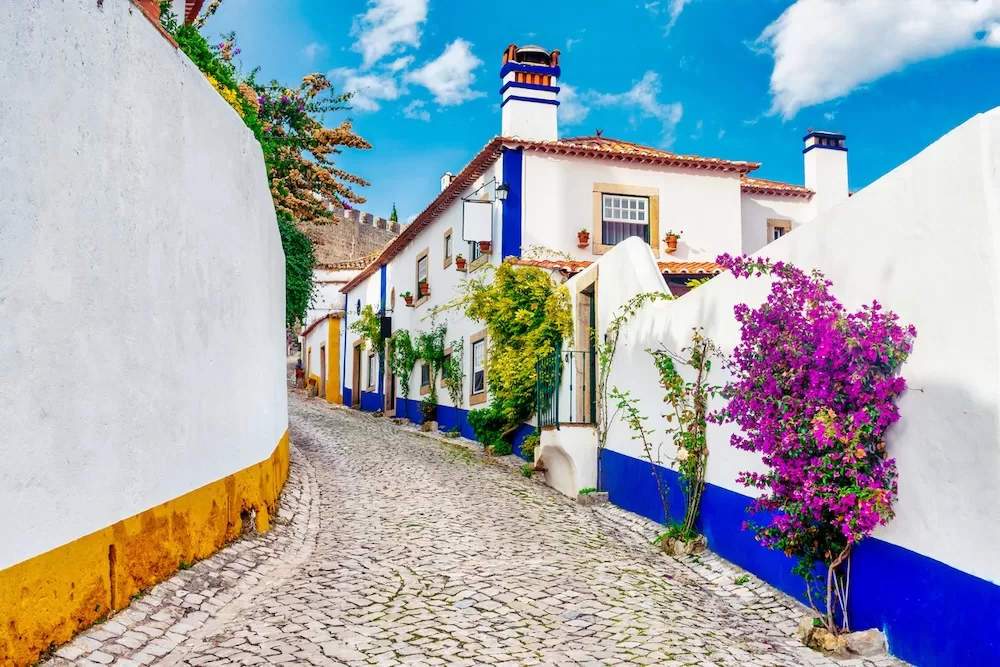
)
(425, 375)
(474, 252)
(372, 371)
(479, 367)
(624, 216)
(421, 272)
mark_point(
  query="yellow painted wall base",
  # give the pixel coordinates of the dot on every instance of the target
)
(49, 598)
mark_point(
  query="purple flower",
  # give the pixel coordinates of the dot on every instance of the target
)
(284, 100)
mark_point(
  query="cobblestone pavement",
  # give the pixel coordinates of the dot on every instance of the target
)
(396, 548)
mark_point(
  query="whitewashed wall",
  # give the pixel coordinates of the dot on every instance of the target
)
(558, 203)
(444, 286)
(327, 297)
(756, 210)
(141, 277)
(924, 241)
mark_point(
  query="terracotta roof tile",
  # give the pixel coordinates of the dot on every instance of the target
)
(616, 149)
(762, 186)
(572, 267)
(349, 264)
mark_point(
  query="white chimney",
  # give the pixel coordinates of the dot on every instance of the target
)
(529, 93)
(825, 159)
(446, 180)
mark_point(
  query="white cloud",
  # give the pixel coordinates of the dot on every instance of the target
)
(830, 115)
(399, 64)
(698, 127)
(388, 26)
(642, 100)
(570, 42)
(312, 50)
(449, 77)
(572, 107)
(722, 133)
(676, 7)
(416, 111)
(824, 49)
(368, 88)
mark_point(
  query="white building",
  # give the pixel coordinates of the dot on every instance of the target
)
(531, 189)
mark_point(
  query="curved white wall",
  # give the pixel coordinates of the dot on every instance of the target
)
(141, 277)
(924, 241)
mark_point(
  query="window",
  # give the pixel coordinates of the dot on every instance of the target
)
(425, 379)
(624, 217)
(372, 371)
(474, 251)
(422, 260)
(623, 211)
(444, 366)
(777, 228)
(447, 248)
(478, 357)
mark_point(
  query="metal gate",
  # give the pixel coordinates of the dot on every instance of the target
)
(566, 388)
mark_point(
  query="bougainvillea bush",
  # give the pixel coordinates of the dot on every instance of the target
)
(814, 389)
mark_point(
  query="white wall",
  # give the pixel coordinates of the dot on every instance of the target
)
(141, 277)
(558, 203)
(756, 210)
(327, 296)
(444, 286)
(925, 242)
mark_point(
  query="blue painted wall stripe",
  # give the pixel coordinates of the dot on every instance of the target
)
(381, 359)
(933, 615)
(519, 98)
(532, 69)
(529, 86)
(345, 394)
(511, 208)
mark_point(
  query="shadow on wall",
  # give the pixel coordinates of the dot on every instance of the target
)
(934, 615)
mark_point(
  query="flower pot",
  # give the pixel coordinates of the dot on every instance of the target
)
(485, 247)
(409, 300)
(671, 242)
(582, 240)
(425, 289)
(460, 263)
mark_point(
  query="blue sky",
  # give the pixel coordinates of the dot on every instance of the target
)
(739, 79)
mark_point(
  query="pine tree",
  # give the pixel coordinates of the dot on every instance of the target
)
(394, 217)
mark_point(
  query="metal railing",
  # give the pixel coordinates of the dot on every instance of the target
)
(566, 389)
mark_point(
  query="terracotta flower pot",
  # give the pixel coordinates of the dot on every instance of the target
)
(409, 300)
(425, 289)
(671, 242)
(460, 263)
(485, 247)
(582, 240)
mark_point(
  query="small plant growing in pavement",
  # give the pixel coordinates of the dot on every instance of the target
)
(814, 389)
(742, 579)
(526, 470)
(587, 491)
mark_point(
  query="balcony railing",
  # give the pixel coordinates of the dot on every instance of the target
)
(566, 388)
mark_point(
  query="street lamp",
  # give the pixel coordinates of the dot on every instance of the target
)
(501, 191)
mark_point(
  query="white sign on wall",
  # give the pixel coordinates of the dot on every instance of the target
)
(477, 221)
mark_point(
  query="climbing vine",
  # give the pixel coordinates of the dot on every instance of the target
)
(299, 259)
(429, 347)
(605, 358)
(688, 401)
(452, 373)
(369, 327)
(526, 316)
(627, 406)
(403, 359)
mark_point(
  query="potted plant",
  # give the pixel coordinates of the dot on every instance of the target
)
(671, 239)
(459, 262)
(583, 238)
(408, 298)
(485, 247)
(425, 289)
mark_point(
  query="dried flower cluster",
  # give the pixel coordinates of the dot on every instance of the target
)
(814, 391)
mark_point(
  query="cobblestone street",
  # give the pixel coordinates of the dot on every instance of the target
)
(393, 548)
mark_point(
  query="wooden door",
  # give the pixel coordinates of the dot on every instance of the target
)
(356, 379)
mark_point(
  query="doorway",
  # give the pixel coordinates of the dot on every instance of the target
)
(322, 371)
(390, 380)
(356, 376)
(585, 360)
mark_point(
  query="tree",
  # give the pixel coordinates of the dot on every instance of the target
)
(393, 217)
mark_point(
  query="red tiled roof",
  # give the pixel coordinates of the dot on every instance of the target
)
(626, 151)
(588, 147)
(572, 267)
(349, 264)
(762, 186)
(191, 9)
